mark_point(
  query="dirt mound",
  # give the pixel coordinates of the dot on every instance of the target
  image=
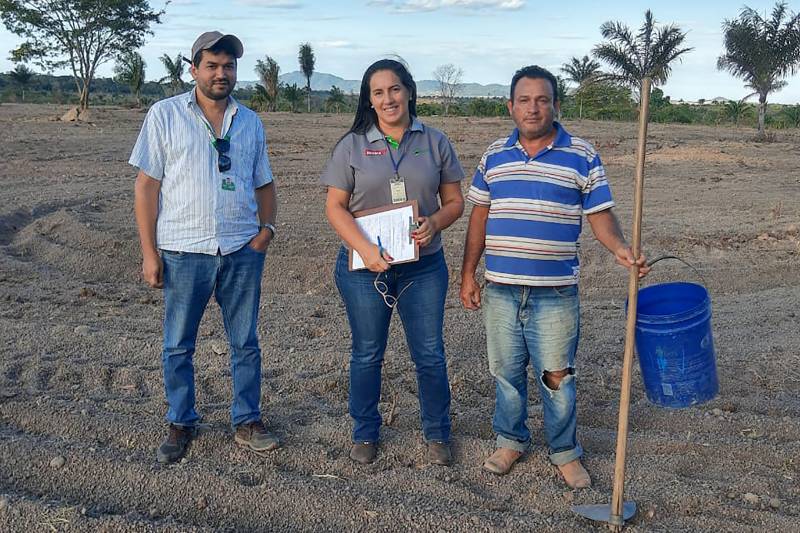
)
(81, 393)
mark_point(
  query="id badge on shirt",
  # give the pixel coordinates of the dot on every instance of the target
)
(398, 187)
(228, 184)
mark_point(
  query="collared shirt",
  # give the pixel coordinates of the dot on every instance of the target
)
(361, 164)
(195, 213)
(536, 205)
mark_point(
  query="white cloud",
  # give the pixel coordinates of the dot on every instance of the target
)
(410, 6)
(271, 4)
(336, 44)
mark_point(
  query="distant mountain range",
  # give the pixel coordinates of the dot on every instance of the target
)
(321, 81)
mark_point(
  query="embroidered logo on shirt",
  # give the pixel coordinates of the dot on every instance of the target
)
(420, 152)
(367, 151)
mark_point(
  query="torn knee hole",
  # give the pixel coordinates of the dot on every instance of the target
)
(552, 378)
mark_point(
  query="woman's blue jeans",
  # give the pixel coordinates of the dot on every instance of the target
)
(189, 281)
(421, 309)
(537, 325)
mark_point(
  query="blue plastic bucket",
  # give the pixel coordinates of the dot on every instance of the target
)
(675, 345)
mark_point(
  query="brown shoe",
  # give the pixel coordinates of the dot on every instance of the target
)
(364, 452)
(254, 436)
(176, 444)
(575, 475)
(439, 453)
(501, 461)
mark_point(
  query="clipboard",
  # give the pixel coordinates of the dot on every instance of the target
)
(394, 224)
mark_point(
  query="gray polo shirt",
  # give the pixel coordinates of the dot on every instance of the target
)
(362, 166)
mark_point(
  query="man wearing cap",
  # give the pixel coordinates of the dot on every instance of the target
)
(205, 207)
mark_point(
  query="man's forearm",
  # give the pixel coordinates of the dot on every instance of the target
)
(476, 240)
(267, 201)
(145, 207)
(607, 230)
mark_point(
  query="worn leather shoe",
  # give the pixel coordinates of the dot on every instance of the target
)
(439, 453)
(364, 452)
(176, 444)
(501, 461)
(255, 437)
(575, 475)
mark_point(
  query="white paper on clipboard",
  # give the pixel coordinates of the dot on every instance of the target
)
(393, 227)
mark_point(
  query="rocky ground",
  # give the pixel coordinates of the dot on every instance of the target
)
(81, 400)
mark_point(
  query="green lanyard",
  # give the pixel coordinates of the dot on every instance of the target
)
(211, 132)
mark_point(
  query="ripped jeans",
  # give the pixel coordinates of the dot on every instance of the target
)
(540, 325)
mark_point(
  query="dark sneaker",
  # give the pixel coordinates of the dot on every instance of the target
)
(439, 453)
(254, 436)
(177, 443)
(364, 452)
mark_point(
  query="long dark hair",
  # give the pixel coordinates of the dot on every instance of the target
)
(365, 115)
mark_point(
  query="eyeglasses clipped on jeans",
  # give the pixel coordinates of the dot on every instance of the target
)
(223, 146)
(383, 289)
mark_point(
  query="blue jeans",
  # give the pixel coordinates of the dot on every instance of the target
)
(537, 325)
(189, 281)
(421, 308)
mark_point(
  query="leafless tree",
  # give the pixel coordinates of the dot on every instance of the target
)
(449, 77)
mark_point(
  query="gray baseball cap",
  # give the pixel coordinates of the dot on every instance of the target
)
(210, 38)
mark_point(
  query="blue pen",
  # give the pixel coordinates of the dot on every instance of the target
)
(380, 246)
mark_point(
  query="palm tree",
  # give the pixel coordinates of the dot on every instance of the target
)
(762, 52)
(736, 110)
(129, 69)
(268, 72)
(174, 73)
(792, 114)
(306, 59)
(336, 99)
(646, 54)
(561, 89)
(260, 100)
(22, 76)
(582, 72)
(292, 94)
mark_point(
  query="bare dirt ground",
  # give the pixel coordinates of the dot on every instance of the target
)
(82, 405)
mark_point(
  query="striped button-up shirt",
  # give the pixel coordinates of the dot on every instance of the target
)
(196, 213)
(536, 205)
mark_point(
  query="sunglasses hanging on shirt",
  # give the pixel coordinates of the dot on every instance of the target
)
(222, 146)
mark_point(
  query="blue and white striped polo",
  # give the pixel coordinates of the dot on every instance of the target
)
(195, 213)
(536, 206)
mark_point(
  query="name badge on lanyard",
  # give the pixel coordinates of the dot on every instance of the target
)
(397, 184)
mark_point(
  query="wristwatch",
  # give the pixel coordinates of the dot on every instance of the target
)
(269, 227)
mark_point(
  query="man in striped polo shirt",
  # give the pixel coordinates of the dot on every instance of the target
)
(529, 192)
(205, 207)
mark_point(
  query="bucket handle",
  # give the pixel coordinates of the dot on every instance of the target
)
(657, 259)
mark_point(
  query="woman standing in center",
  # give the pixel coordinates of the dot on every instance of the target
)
(389, 156)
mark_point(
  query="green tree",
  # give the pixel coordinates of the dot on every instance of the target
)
(762, 52)
(22, 77)
(292, 94)
(336, 99)
(268, 72)
(260, 101)
(175, 69)
(80, 34)
(606, 100)
(792, 114)
(581, 72)
(306, 59)
(735, 110)
(129, 70)
(649, 53)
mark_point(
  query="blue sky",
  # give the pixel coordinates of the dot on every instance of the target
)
(489, 39)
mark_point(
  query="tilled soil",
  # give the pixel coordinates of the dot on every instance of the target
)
(81, 399)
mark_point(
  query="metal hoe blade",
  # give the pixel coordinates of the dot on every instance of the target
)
(602, 513)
